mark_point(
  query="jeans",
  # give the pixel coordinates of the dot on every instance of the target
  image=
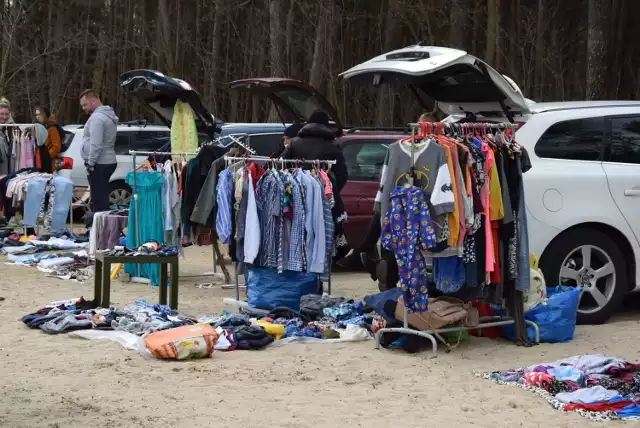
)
(99, 186)
(33, 201)
(61, 202)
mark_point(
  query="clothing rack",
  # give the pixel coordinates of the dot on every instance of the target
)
(134, 154)
(278, 161)
(485, 322)
(14, 125)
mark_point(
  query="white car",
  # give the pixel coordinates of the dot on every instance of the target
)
(582, 194)
(130, 137)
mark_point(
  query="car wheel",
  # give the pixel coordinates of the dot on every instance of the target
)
(119, 194)
(589, 259)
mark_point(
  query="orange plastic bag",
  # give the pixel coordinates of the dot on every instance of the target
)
(181, 343)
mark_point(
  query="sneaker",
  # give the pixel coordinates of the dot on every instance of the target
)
(351, 261)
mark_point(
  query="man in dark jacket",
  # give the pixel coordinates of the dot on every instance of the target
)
(289, 134)
(317, 141)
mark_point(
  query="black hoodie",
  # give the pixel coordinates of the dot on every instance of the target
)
(316, 141)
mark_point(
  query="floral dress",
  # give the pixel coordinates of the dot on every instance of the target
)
(407, 231)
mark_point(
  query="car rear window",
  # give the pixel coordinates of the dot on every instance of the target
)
(365, 158)
(68, 138)
(577, 139)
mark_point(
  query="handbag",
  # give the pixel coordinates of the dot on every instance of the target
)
(443, 311)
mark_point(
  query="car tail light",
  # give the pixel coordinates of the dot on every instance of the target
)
(63, 163)
(520, 125)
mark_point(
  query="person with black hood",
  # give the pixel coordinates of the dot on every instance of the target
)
(316, 140)
(289, 134)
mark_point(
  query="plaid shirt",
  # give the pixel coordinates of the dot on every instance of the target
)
(297, 243)
(224, 199)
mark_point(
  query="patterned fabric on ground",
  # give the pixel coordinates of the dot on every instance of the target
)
(597, 387)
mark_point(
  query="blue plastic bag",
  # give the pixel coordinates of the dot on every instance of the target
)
(267, 289)
(556, 318)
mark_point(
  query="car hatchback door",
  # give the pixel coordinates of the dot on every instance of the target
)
(622, 166)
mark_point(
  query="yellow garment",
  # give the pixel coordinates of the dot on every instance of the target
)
(274, 330)
(496, 208)
(454, 217)
(184, 135)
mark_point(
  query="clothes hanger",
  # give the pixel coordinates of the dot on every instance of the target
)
(145, 164)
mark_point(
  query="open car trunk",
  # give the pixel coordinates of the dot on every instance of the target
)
(295, 101)
(161, 92)
(459, 82)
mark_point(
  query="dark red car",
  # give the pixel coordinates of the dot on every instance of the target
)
(364, 149)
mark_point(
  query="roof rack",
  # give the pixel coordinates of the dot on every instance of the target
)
(380, 128)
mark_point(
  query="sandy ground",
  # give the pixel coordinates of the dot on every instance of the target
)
(58, 381)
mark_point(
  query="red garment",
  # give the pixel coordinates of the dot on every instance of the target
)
(599, 407)
(256, 170)
(626, 373)
(495, 275)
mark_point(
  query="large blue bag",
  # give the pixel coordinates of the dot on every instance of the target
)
(267, 289)
(556, 318)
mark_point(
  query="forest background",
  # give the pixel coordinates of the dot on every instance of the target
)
(553, 49)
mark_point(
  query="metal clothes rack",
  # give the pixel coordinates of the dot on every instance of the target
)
(279, 161)
(31, 125)
(134, 154)
(485, 322)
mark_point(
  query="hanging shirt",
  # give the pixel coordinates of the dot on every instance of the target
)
(314, 223)
(297, 242)
(224, 200)
(431, 175)
(407, 231)
(184, 135)
(252, 227)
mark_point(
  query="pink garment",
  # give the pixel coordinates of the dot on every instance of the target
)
(328, 190)
(484, 196)
(26, 156)
(537, 379)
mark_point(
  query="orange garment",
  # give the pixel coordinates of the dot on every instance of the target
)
(453, 217)
(54, 139)
(496, 207)
(456, 180)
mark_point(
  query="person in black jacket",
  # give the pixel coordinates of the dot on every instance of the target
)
(289, 134)
(317, 141)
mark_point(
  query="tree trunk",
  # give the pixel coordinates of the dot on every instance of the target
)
(319, 57)
(490, 46)
(215, 52)
(276, 57)
(165, 58)
(289, 36)
(385, 104)
(539, 49)
(597, 49)
(459, 17)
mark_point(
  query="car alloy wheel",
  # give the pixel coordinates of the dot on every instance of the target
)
(592, 269)
(119, 197)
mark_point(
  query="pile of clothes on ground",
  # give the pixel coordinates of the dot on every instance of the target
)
(599, 388)
(13, 243)
(30, 251)
(321, 317)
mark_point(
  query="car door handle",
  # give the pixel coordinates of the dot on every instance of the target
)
(632, 192)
